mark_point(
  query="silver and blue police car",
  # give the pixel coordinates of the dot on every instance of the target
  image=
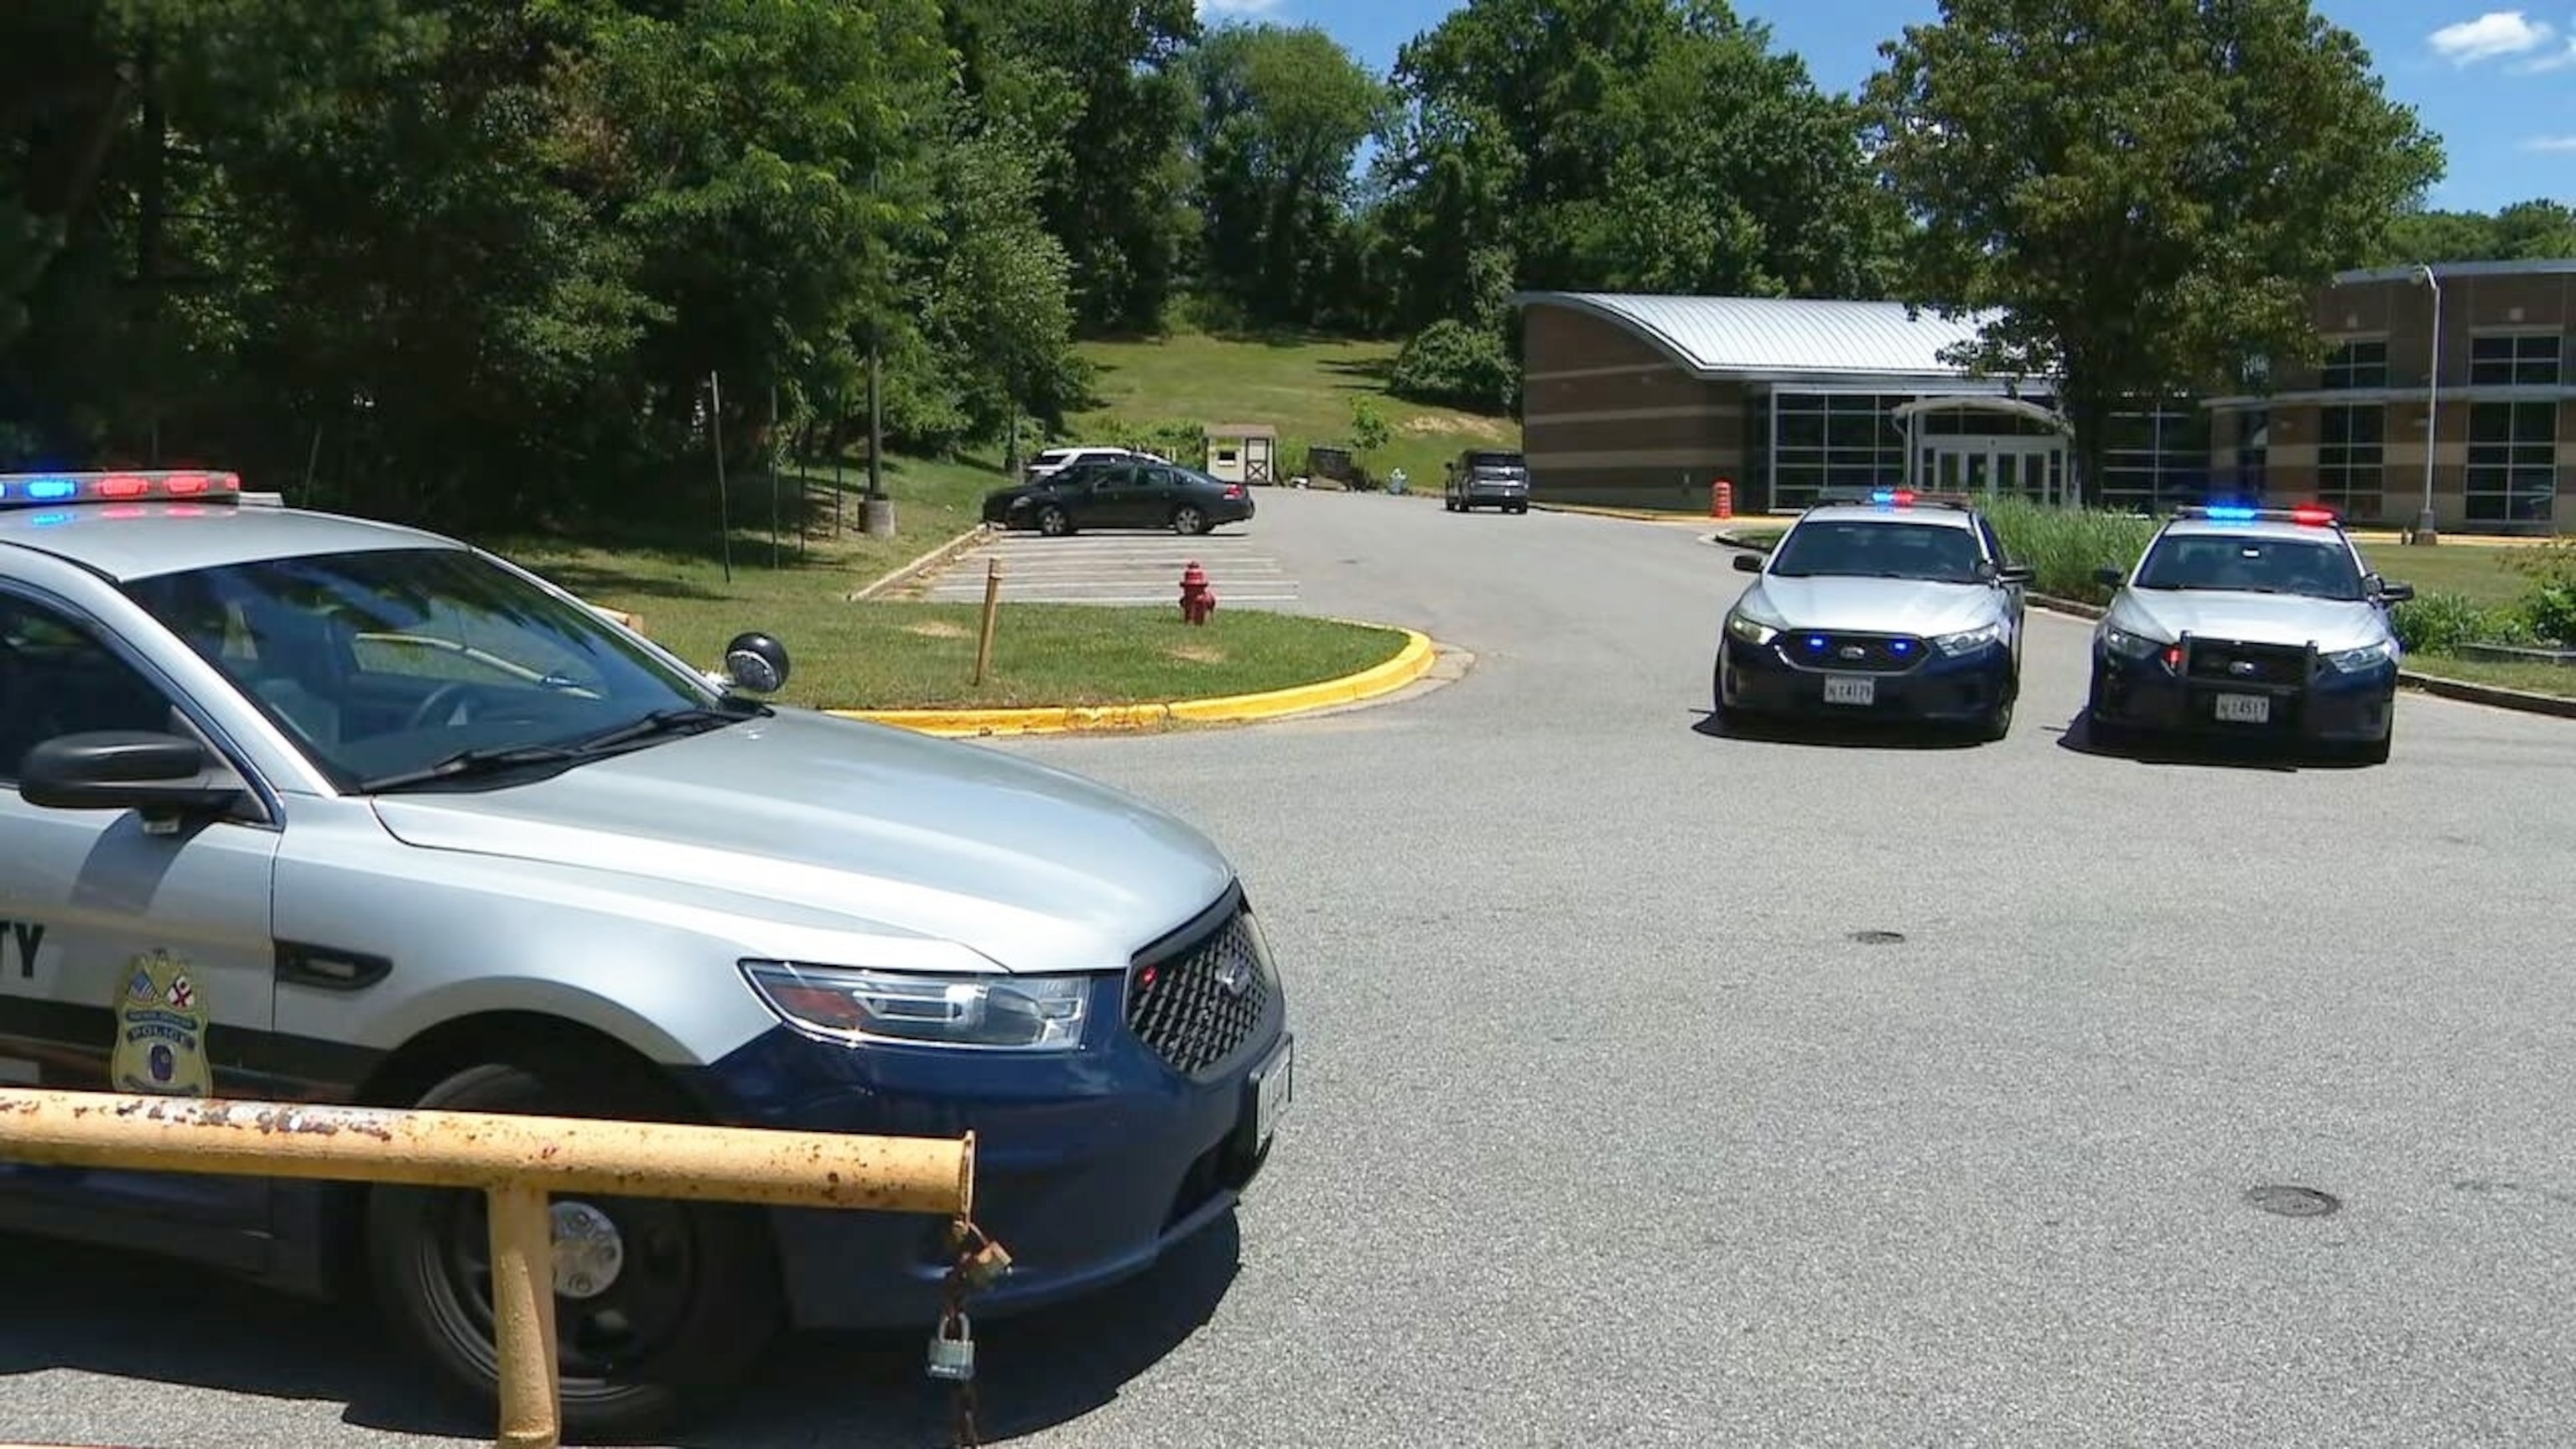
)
(321, 809)
(1898, 607)
(2250, 623)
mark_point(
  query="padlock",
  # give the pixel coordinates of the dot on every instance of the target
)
(986, 1265)
(953, 1358)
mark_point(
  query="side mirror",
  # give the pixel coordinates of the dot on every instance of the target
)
(1748, 563)
(757, 663)
(2109, 578)
(2013, 573)
(2395, 593)
(125, 770)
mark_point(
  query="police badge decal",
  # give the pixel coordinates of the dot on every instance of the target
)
(160, 1030)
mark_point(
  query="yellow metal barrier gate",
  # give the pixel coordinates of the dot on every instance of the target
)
(516, 1161)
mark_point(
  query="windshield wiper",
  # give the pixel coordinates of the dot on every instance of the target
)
(498, 759)
(687, 719)
(491, 760)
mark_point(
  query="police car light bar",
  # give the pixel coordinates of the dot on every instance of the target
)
(23, 490)
(2306, 515)
(1900, 497)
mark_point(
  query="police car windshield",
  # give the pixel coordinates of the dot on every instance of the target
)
(1874, 549)
(2320, 569)
(385, 663)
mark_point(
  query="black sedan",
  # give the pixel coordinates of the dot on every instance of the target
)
(1120, 493)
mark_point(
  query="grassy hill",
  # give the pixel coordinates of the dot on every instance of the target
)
(1302, 386)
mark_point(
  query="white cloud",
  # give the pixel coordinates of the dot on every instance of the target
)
(2494, 34)
(2563, 144)
(1236, 9)
(2558, 59)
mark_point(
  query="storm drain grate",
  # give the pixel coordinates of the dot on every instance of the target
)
(1878, 938)
(2293, 1202)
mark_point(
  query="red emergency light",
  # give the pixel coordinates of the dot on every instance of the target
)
(27, 490)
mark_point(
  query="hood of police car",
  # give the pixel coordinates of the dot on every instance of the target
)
(2253, 618)
(875, 829)
(1868, 605)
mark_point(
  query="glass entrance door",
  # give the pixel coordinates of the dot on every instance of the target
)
(2025, 467)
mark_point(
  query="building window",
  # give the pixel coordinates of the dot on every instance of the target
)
(2513, 462)
(2348, 459)
(2156, 459)
(1833, 440)
(2357, 364)
(2515, 359)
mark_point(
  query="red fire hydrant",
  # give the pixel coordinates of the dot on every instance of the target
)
(1721, 499)
(1198, 597)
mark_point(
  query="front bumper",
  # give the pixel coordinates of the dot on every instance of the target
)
(1088, 1165)
(1778, 679)
(2304, 699)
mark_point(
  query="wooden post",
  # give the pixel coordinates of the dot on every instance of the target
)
(992, 606)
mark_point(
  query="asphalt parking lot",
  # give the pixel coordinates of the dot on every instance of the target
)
(1621, 1119)
(1136, 567)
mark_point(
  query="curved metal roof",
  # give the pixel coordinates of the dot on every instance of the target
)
(1779, 336)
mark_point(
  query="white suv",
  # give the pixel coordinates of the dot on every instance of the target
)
(1055, 460)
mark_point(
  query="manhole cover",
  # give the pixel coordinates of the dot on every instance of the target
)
(1878, 938)
(2293, 1202)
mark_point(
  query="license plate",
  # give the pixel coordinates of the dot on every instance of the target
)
(1850, 689)
(1274, 1086)
(2245, 708)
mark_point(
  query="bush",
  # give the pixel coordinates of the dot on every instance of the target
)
(2440, 623)
(2551, 612)
(2064, 546)
(1450, 364)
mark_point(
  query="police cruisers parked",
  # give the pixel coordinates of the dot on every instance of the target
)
(322, 809)
(2260, 623)
(1900, 607)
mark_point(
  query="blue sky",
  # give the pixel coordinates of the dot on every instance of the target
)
(2497, 85)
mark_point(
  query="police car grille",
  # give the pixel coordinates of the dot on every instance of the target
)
(1877, 653)
(1181, 1007)
(2230, 663)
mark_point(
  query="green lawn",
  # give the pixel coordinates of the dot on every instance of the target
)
(1302, 387)
(2537, 678)
(2475, 571)
(922, 655)
(888, 654)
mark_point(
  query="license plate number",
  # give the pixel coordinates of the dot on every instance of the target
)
(1850, 689)
(1272, 1090)
(2245, 708)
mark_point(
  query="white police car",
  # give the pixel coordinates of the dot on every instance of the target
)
(316, 808)
(2249, 623)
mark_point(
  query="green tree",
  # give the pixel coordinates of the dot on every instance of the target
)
(1281, 114)
(1617, 144)
(1113, 184)
(2151, 191)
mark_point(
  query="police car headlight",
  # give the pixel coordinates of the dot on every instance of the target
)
(1009, 1013)
(2368, 656)
(1749, 629)
(2128, 645)
(1969, 641)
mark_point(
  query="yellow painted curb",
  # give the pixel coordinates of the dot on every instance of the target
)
(1408, 664)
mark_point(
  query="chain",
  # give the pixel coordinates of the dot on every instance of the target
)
(970, 1240)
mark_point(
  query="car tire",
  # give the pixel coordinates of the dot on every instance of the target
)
(1054, 522)
(423, 1244)
(1999, 720)
(2098, 730)
(1187, 520)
